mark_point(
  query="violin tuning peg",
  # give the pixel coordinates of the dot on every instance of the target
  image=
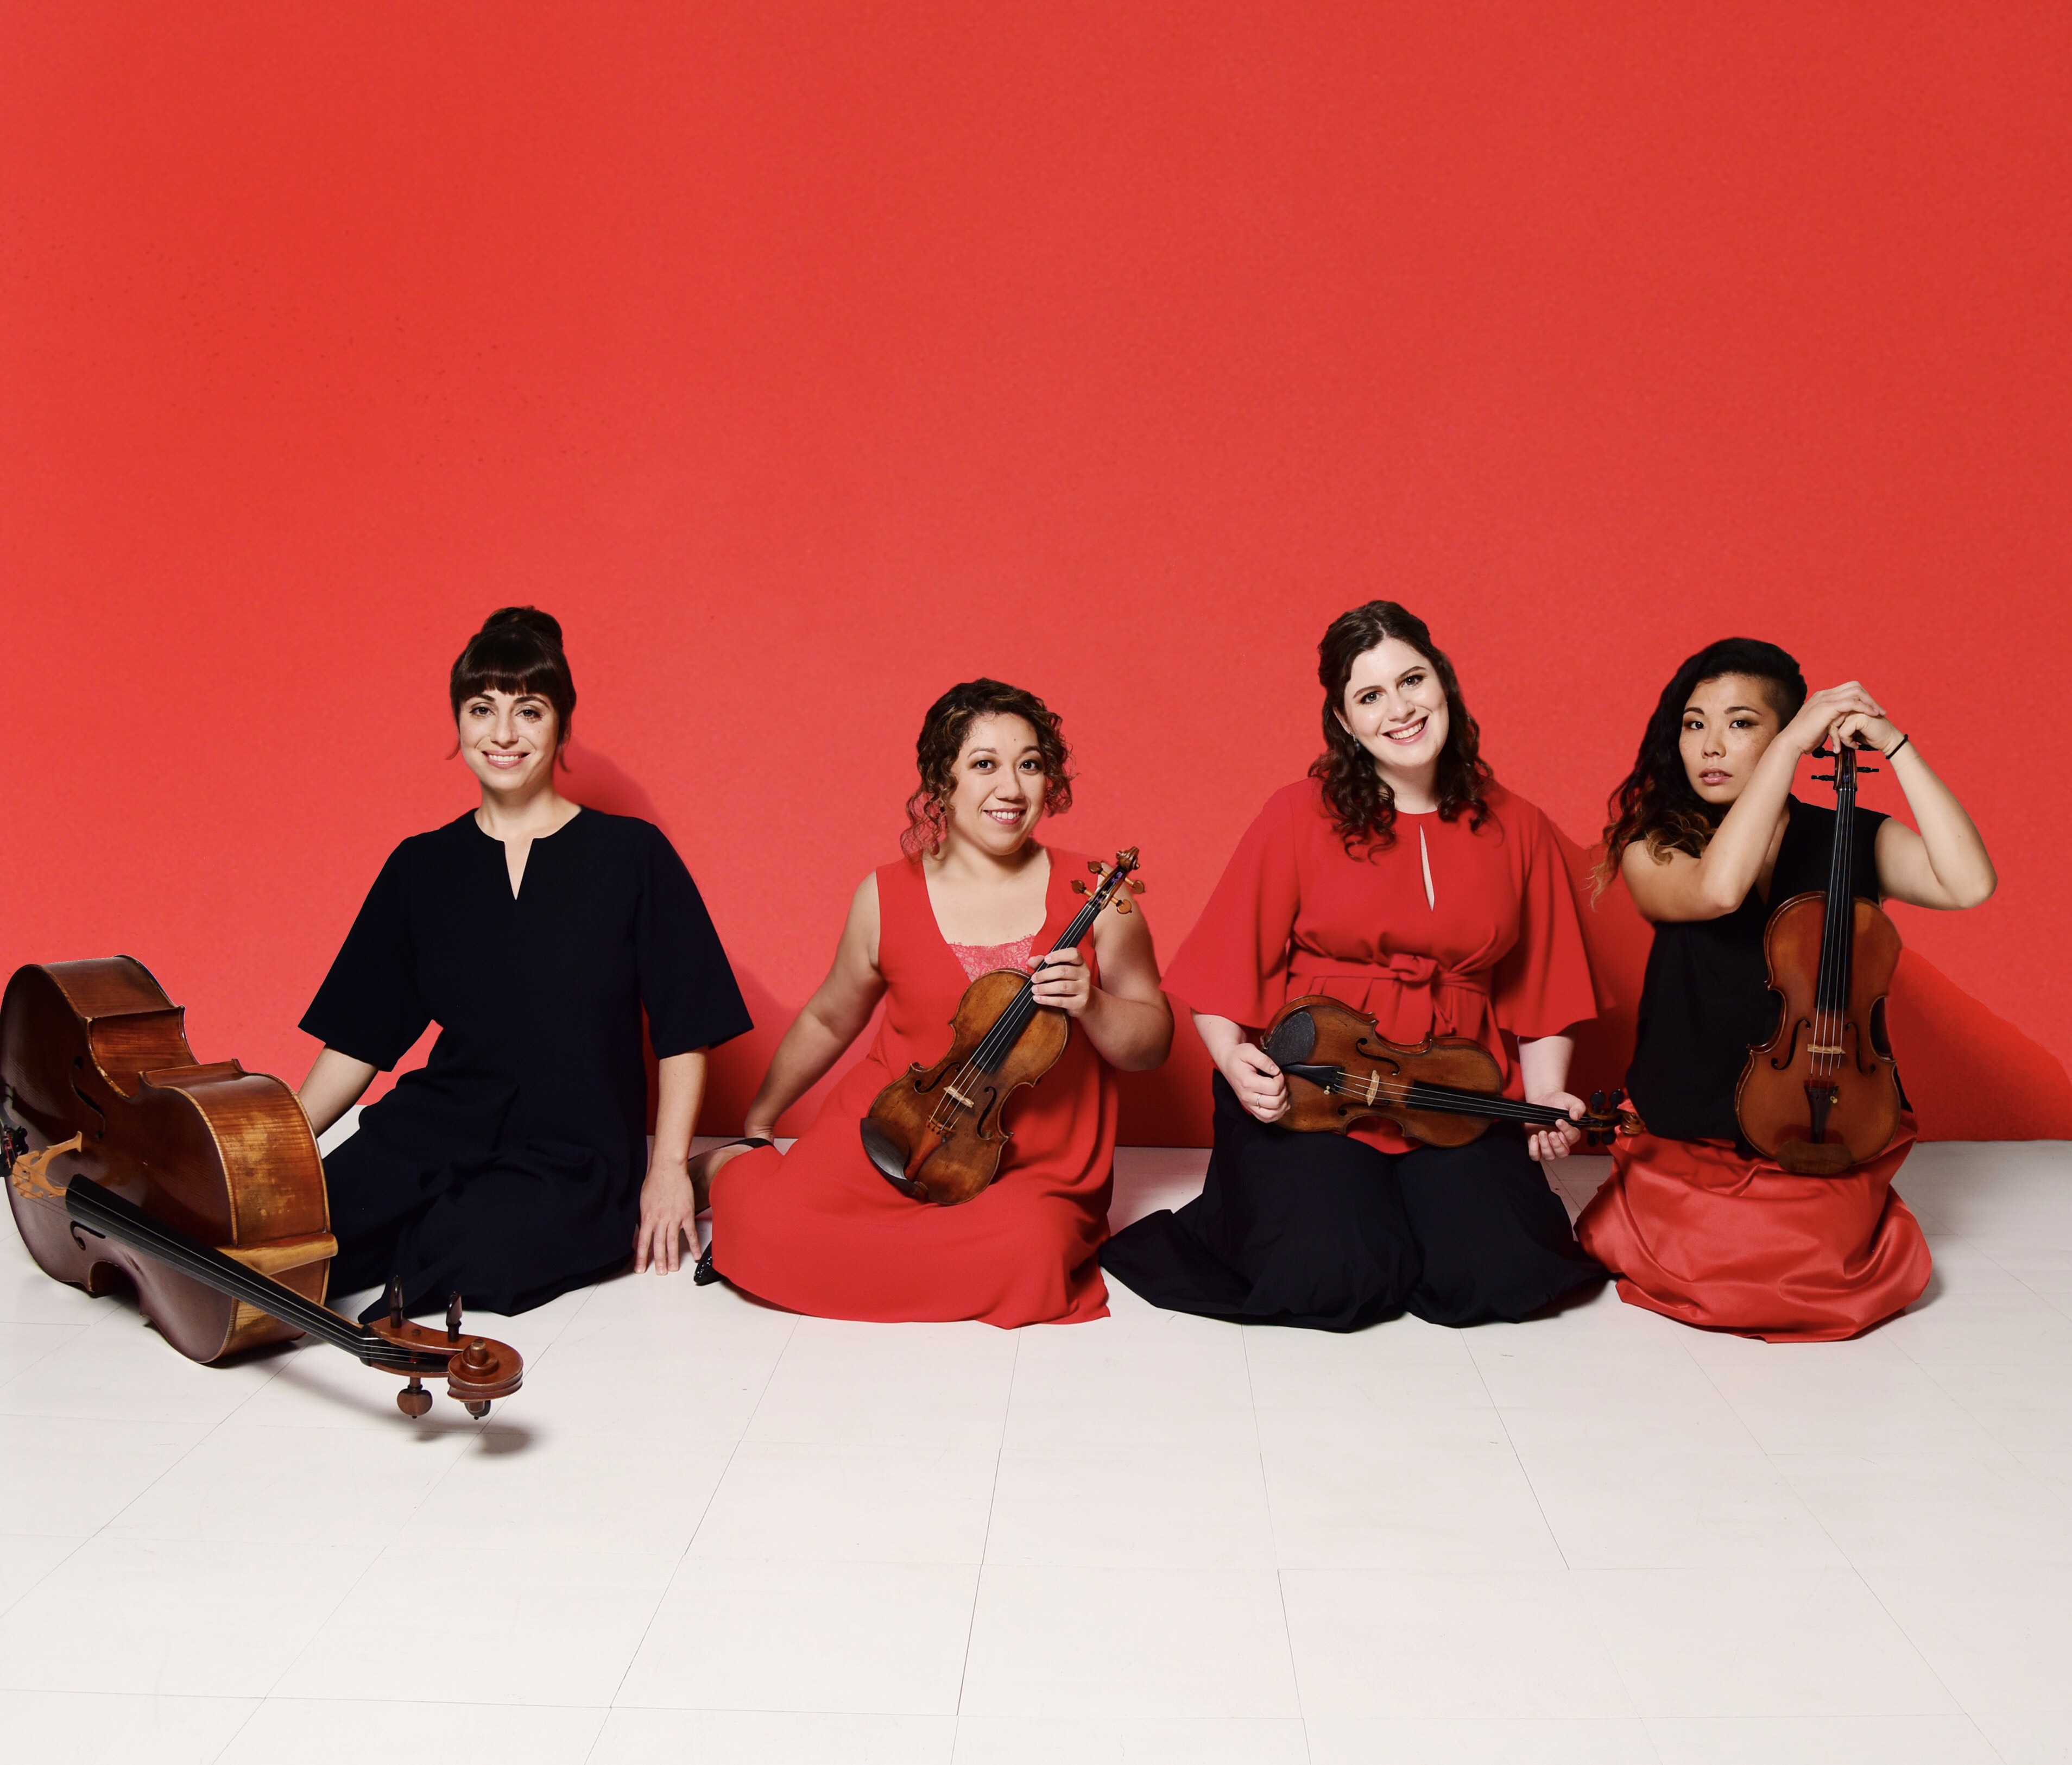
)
(1080, 888)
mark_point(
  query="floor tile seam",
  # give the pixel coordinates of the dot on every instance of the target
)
(106, 1528)
(1906, 1636)
(1518, 1458)
(78, 1545)
(1978, 1421)
(1273, 1540)
(70, 1332)
(402, 1520)
(704, 1511)
(985, 1544)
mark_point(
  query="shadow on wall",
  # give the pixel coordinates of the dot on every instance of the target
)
(1969, 1073)
(597, 782)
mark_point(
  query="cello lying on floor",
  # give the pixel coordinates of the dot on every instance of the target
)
(200, 1186)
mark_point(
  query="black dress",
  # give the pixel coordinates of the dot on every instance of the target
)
(1706, 999)
(508, 1168)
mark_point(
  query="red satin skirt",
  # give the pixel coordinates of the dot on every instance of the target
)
(1698, 1232)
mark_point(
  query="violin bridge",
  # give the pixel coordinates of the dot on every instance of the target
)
(958, 1098)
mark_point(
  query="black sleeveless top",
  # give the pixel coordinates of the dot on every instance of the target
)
(1707, 998)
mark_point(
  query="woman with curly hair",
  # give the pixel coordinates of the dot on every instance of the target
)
(1708, 837)
(1401, 879)
(819, 1230)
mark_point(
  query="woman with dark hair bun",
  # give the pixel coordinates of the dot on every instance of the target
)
(818, 1230)
(1708, 837)
(1402, 879)
(514, 1164)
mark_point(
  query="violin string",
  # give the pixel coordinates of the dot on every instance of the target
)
(1414, 1093)
(994, 1045)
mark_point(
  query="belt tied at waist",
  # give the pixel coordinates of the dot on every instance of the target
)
(1415, 1004)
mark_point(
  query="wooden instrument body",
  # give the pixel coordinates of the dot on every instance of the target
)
(1443, 1092)
(1846, 1088)
(95, 1052)
(1348, 1038)
(948, 1155)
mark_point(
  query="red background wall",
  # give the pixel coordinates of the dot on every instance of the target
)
(805, 358)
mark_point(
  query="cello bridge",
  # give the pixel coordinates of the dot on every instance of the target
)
(27, 1170)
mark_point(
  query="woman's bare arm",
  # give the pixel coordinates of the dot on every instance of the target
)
(335, 1082)
(1676, 886)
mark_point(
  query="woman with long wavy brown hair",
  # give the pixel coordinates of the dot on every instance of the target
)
(818, 1230)
(1401, 879)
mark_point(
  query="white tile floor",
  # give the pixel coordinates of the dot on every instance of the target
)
(707, 1531)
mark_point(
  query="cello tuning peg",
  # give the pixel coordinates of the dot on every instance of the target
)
(395, 1300)
(453, 1318)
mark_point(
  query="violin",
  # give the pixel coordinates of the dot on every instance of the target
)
(1443, 1092)
(1823, 1094)
(198, 1186)
(935, 1132)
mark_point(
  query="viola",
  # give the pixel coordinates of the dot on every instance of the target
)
(198, 1186)
(1443, 1092)
(1822, 1095)
(935, 1132)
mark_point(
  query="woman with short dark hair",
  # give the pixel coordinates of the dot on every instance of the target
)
(818, 1229)
(1400, 879)
(514, 1165)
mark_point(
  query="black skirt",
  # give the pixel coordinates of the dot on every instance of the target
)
(1324, 1232)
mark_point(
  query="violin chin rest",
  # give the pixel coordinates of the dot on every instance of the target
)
(1293, 1039)
(888, 1155)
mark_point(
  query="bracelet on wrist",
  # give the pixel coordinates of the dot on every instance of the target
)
(1897, 746)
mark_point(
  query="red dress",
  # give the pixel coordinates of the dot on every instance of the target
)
(1699, 1229)
(1495, 952)
(1707, 1235)
(819, 1231)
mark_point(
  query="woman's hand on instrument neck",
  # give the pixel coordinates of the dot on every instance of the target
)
(1946, 864)
(1738, 761)
(1542, 1063)
(1260, 1085)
